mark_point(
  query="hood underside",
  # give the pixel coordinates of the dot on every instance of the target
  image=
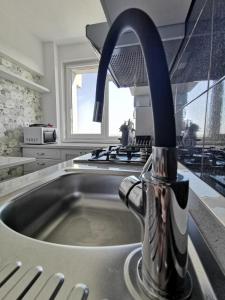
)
(127, 65)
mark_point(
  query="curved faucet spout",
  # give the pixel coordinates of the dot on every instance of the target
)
(156, 67)
(160, 197)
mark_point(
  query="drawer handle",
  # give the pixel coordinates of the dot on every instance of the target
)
(40, 153)
(41, 164)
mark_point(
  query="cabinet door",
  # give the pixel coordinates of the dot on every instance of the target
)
(40, 164)
(42, 153)
(73, 153)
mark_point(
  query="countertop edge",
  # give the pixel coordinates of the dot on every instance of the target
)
(11, 161)
(65, 146)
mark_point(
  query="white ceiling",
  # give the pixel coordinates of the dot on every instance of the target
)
(58, 20)
(64, 21)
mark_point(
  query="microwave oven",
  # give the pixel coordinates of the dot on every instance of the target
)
(39, 135)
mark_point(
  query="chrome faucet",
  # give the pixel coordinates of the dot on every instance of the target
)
(159, 197)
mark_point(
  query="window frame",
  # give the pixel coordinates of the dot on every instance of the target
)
(103, 137)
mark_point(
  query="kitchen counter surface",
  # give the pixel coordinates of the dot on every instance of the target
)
(9, 161)
(207, 207)
(67, 145)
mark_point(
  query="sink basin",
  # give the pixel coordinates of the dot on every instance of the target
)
(84, 210)
(75, 209)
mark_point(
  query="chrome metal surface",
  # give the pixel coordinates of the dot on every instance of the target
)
(65, 272)
(164, 163)
(33, 269)
(203, 285)
(161, 204)
(75, 209)
(126, 185)
(164, 254)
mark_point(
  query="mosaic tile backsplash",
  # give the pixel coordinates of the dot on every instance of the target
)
(19, 106)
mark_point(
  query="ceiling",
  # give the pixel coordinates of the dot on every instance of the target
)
(64, 21)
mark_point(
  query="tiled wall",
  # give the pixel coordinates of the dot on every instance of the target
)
(18, 107)
(198, 80)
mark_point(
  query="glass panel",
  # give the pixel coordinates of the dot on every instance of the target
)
(192, 69)
(121, 108)
(83, 99)
(218, 44)
(190, 122)
(214, 163)
(198, 5)
(184, 94)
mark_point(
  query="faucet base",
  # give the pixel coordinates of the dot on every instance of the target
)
(136, 287)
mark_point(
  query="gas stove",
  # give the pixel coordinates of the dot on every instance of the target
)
(118, 154)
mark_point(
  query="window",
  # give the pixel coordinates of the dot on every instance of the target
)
(83, 98)
(80, 99)
(121, 107)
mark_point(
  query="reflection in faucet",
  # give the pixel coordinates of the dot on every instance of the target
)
(160, 198)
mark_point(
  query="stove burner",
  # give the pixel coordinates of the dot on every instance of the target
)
(121, 154)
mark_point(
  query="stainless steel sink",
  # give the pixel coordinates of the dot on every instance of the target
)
(84, 210)
(75, 209)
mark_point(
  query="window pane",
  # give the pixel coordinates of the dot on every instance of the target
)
(121, 108)
(83, 99)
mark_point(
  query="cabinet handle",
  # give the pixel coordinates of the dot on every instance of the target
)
(40, 153)
(41, 164)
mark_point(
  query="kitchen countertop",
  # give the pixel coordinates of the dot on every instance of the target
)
(67, 145)
(9, 161)
(207, 207)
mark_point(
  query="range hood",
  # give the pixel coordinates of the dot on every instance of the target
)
(127, 64)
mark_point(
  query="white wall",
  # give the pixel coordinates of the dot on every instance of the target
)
(55, 57)
(50, 101)
(17, 43)
(79, 52)
(75, 52)
(144, 115)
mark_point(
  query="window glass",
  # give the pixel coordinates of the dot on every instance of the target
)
(121, 108)
(83, 99)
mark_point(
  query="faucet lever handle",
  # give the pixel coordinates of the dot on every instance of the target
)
(147, 167)
(126, 186)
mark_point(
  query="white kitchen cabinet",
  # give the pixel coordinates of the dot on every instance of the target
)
(44, 158)
(40, 164)
(48, 156)
(42, 153)
(67, 154)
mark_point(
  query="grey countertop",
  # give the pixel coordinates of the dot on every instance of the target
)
(9, 161)
(206, 205)
(67, 145)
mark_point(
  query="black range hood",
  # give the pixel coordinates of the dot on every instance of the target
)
(127, 64)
